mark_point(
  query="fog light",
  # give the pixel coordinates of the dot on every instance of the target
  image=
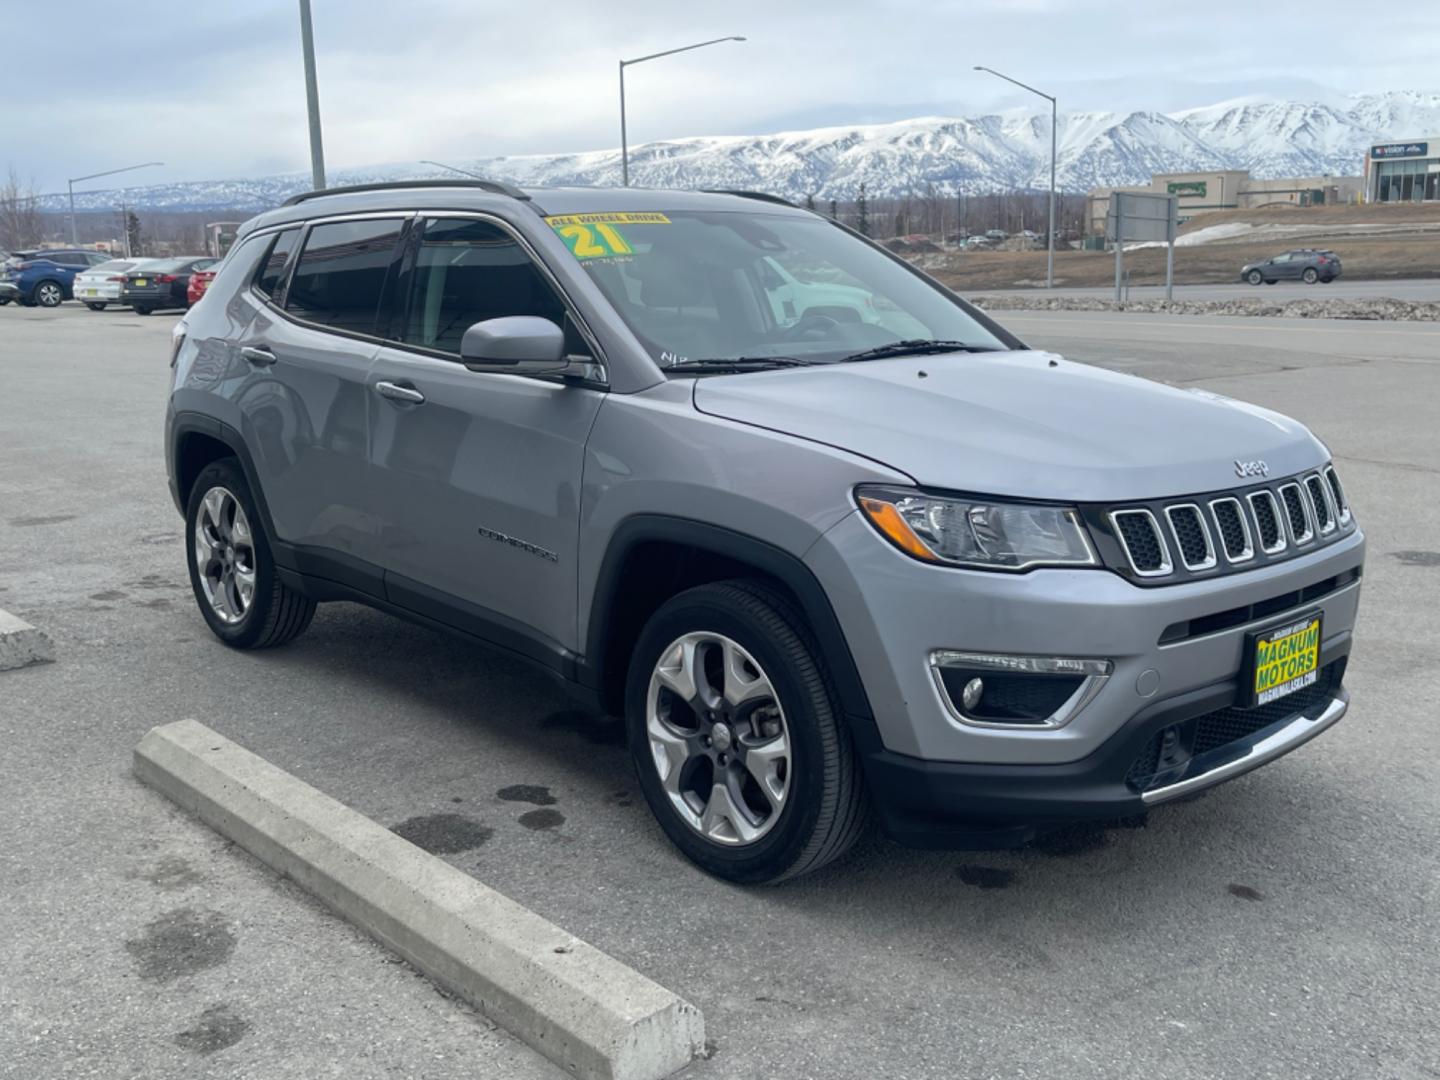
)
(970, 696)
(998, 690)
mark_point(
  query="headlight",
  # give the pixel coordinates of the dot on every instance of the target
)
(975, 533)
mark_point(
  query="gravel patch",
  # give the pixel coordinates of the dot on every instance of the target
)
(1377, 309)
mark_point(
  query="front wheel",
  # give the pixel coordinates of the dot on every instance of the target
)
(1254, 277)
(4, 300)
(232, 572)
(1310, 276)
(143, 310)
(95, 307)
(49, 294)
(738, 738)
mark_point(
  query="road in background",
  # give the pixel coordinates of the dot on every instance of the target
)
(1286, 926)
(1343, 289)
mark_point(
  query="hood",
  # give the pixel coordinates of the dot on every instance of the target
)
(1024, 424)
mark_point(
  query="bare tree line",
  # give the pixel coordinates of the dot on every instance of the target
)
(21, 224)
(951, 216)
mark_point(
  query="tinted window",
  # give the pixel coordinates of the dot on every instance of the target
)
(468, 271)
(97, 258)
(274, 263)
(341, 274)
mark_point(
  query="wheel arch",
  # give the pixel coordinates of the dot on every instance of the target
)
(198, 440)
(650, 558)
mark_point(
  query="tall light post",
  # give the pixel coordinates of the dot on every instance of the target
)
(1054, 122)
(624, 146)
(74, 240)
(312, 99)
(452, 168)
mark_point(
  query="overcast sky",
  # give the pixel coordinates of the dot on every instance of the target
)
(216, 89)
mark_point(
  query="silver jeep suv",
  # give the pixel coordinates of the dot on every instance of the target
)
(834, 542)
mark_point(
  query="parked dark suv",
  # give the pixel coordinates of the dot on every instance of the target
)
(1307, 265)
(832, 541)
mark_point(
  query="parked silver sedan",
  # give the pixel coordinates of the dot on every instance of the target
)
(100, 285)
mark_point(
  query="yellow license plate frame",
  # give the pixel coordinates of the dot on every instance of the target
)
(1284, 658)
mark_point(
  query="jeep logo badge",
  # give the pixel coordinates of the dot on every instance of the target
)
(1251, 468)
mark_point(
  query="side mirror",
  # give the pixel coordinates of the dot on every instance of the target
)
(514, 345)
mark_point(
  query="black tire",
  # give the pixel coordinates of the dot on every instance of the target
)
(4, 300)
(49, 294)
(143, 310)
(1271, 281)
(96, 306)
(1254, 277)
(276, 614)
(826, 807)
(1310, 276)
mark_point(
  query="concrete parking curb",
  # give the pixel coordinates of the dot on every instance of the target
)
(587, 1012)
(22, 644)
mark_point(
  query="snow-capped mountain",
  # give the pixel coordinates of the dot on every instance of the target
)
(998, 152)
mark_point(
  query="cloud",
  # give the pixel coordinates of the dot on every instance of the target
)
(218, 91)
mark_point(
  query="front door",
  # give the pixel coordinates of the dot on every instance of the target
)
(476, 476)
(304, 408)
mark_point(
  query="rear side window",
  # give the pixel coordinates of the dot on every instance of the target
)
(268, 279)
(340, 277)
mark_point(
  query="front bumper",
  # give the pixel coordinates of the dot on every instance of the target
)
(953, 805)
(9, 290)
(935, 775)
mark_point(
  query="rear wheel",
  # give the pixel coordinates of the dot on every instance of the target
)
(1254, 277)
(738, 738)
(49, 294)
(232, 572)
(4, 300)
(140, 310)
(95, 306)
(1310, 276)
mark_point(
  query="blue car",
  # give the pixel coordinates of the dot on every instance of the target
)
(44, 277)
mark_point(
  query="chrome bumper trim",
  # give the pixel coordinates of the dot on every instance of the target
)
(1300, 730)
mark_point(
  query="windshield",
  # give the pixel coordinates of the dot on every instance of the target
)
(725, 285)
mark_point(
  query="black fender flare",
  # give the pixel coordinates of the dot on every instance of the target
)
(196, 423)
(765, 557)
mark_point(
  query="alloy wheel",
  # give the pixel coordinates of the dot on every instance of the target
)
(718, 739)
(225, 555)
(48, 294)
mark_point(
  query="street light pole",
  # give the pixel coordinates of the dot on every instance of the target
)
(74, 240)
(1054, 124)
(624, 144)
(312, 99)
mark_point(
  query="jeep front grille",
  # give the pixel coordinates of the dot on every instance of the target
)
(1222, 532)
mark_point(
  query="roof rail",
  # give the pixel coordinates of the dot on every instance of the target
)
(762, 196)
(493, 186)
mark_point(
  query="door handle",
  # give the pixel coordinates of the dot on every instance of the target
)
(260, 357)
(396, 392)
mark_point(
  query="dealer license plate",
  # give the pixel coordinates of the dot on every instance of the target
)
(1284, 659)
(141, 281)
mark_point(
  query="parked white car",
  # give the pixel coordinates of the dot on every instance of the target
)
(100, 285)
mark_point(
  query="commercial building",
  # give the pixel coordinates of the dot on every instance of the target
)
(1230, 189)
(1403, 171)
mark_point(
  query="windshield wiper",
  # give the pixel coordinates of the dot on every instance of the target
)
(737, 363)
(916, 347)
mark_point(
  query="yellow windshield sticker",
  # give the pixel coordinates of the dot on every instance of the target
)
(596, 236)
(643, 218)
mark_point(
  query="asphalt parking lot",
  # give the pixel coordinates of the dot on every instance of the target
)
(1284, 926)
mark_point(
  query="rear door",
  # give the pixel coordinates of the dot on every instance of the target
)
(477, 476)
(308, 352)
